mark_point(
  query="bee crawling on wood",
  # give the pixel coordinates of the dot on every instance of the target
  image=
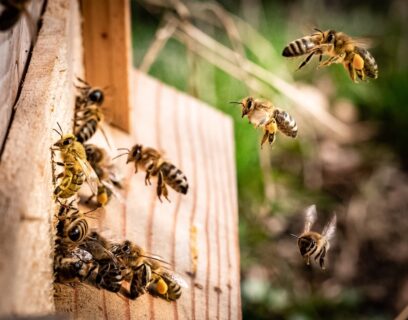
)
(76, 167)
(146, 273)
(340, 48)
(154, 164)
(262, 113)
(72, 227)
(313, 244)
(109, 181)
(88, 112)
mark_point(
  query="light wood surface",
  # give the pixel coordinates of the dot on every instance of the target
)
(14, 52)
(25, 172)
(107, 45)
(198, 140)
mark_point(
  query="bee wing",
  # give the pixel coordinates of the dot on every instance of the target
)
(177, 278)
(114, 191)
(365, 43)
(330, 228)
(310, 217)
(91, 176)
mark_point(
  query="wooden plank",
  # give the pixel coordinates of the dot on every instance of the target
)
(106, 35)
(14, 51)
(47, 97)
(177, 124)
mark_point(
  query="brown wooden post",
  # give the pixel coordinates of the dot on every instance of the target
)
(107, 47)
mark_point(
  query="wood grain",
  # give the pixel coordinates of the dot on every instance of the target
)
(14, 51)
(198, 140)
(47, 96)
(106, 38)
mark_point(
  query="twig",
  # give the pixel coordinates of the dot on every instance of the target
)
(162, 36)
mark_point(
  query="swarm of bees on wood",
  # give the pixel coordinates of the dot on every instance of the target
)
(85, 256)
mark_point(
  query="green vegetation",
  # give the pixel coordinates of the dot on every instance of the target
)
(351, 177)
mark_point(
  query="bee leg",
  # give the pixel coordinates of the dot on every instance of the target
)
(321, 259)
(271, 138)
(161, 187)
(352, 72)
(147, 178)
(305, 61)
(265, 137)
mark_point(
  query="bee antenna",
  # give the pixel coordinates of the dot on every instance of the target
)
(318, 30)
(235, 102)
(57, 132)
(118, 156)
(91, 211)
(124, 149)
(59, 126)
(293, 235)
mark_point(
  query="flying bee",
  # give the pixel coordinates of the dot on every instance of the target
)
(13, 10)
(76, 167)
(340, 48)
(154, 164)
(313, 244)
(262, 113)
(104, 169)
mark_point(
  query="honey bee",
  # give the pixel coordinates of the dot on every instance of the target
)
(108, 180)
(262, 113)
(13, 10)
(88, 112)
(72, 227)
(110, 270)
(70, 266)
(76, 167)
(153, 163)
(166, 285)
(340, 48)
(146, 274)
(313, 244)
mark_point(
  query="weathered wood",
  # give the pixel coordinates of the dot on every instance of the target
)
(106, 37)
(47, 97)
(178, 125)
(14, 51)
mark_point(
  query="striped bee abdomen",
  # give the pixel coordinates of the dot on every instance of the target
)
(174, 177)
(86, 130)
(286, 123)
(298, 47)
(370, 65)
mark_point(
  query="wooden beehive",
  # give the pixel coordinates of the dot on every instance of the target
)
(148, 112)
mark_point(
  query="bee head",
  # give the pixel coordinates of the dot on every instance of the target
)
(247, 105)
(66, 141)
(305, 244)
(331, 37)
(135, 153)
(96, 96)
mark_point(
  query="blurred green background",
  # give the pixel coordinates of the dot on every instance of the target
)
(361, 176)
